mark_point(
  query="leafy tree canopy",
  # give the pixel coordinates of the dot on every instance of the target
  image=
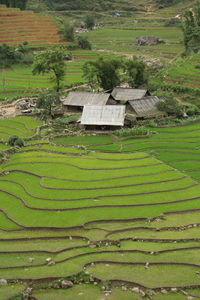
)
(83, 42)
(52, 62)
(14, 3)
(166, 3)
(135, 72)
(46, 100)
(68, 31)
(108, 73)
(171, 106)
(89, 21)
(103, 72)
(191, 29)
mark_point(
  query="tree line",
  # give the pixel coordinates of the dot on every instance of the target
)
(14, 3)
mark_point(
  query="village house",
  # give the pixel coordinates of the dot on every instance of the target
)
(120, 94)
(75, 101)
(144, 108)
(106, 117)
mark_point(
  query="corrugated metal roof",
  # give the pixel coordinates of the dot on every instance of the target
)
(103, 115)
(85, 98)
(128, 94)
(146, 106)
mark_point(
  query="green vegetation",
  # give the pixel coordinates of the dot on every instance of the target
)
(14, 140)
(140, 131)
(172, 107)
(128, 214)
(46, 100)
(68, 32)
(89, 21)
(16, 3)
(109, 73)
(191, 29)
(51, 61)
(118, 215)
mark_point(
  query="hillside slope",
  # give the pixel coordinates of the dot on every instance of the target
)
(18, 26)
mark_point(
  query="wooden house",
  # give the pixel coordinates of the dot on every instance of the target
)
(144, 108)
(75, 101)
(105, 117)
(126, 94)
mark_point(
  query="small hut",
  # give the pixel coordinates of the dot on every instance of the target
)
(75, 101)
(106, 117)
(145, 108)
(126, 94)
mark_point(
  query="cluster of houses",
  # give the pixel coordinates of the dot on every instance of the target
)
(111, 111)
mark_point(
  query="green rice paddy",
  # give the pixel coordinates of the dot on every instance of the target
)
(124, 222)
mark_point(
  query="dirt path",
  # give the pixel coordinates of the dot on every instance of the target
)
(8, 110)
(115, 52)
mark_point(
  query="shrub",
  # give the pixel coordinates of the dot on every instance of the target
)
(14, 140)
(171, 106)
(137, 131)
(19, 142)
(68, 32)
(72, 46)
(192, 110)
(83, 43)
(89, 21)
(60, 123)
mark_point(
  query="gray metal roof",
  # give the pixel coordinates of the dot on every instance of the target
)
(85, 98)
(128, 94)
(146, 107)
(103, 115)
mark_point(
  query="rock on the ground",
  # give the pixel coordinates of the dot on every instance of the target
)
(147, 40)
(3, 281)
(154, 63)
(66, 284)
(26, 105)
(135, 289)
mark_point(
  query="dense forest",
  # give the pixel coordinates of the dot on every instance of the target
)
(60, 5)
(97, 5)
(14, 3)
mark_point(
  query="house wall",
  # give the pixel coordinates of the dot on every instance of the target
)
(72, 109)
(101, 127)
(111, 101)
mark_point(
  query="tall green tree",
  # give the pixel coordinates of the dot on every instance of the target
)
(46, 100)
(89, 21)
(68, 31)
(108, 73)
(14, 3)
(105, 73)
(51, 62)
(83, 42)
(135, 72)
(191, 29)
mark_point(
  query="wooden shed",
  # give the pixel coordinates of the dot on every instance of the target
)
(126, 94)
(106, 117)
(145, 108)
(75, 101)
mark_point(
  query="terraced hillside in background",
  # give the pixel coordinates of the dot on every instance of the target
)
(20, 81)
(184, 72)
(119, 219)
(18, 26)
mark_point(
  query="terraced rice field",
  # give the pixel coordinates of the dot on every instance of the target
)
(120, 218)
(184, 72)
(121, 38)
(18, 26)
(20, 80)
